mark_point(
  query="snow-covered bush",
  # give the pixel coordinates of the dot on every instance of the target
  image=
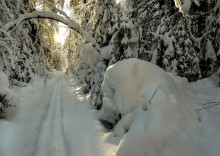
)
(9, 100)
(124, 87)
(85, 68)
(95, 92)
(147, 104)
(185, 5)
(9, 103)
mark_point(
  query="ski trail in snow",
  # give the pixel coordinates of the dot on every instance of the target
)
(56, 121)
(51, 140)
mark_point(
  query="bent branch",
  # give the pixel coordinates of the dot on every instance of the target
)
(49, 15)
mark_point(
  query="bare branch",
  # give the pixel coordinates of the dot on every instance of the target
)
(154, 94)
(208, 103)
(208, 107)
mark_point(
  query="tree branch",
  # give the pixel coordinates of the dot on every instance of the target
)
(49, 15)
(216, 104)
(154, 94)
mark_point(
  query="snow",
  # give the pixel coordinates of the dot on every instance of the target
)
(120, 94)
(89, 55)
(3, 79)
(46, 14)
(210, 53)
(106, 52)
(217, 6)
(159, 116)
(185, 5)
(54, 120)
(159, 112)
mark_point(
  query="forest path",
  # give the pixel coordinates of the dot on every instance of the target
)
(55, 120)
(51, 139)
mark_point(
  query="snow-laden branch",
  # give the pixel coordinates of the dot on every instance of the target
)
(49, 15)
(7, 34)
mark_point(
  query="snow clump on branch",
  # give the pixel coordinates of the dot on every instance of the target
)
(185, 5)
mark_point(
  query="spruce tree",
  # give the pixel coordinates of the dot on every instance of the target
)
(105, 21)
(125, 38)
(19, 46)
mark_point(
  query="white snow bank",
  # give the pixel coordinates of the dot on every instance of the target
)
(125, 84)
(165, 125)
(3, 79)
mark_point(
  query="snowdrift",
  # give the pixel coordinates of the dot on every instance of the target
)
(151, 112)
(132, 82)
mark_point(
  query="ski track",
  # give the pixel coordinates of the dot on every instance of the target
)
(51, 140)
(69, 126)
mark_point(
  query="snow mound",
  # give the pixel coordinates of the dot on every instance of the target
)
(149, 111)
(3, 79)
(9, 103)
(125, 84)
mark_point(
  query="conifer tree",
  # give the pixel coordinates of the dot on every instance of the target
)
(20, 46)
(105, 21)
(125, 38)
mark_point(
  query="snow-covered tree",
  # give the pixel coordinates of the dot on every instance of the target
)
(105, 20)
(96, 94)
(211, 40)
(125, 38)
(175, 37)
(20, 46)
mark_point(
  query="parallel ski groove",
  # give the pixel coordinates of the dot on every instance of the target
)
(51, 137)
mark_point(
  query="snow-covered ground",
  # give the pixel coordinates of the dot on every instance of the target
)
(54, 121)
(57, 120)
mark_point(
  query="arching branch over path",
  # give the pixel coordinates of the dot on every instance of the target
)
(49, 15)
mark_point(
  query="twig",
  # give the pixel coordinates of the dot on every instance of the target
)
(154, 94)
(210, 103)
(208, 107)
